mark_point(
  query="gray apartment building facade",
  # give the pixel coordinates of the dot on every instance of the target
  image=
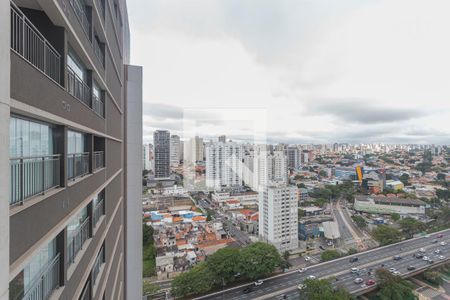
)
(161, 141)
(71, 136)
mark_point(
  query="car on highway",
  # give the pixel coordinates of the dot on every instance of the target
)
(425, 258)
(370, 282)
(247, 290)
(392, 270)
(418, 255)
(358, 280)
(443, 243)
(440, 236)
(307, 258)
(301, 286)
(354, 270)
(437, 251)
(353, 259)
(258, 282)
(422, 250)
(410, 268)
(397, 257)
(396, 273)
(430, 261)
(434, 241)
(441, 257)
(301, 270)
(311, 277)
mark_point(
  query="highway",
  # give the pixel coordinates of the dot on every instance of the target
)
(286, 284)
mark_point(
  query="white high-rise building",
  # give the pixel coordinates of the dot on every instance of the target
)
(278, 216)
(267, 168)
(223, 165)
(279, 168)
(194, 150)
(148, 157)
(175, 152)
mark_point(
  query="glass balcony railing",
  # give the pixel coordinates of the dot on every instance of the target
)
(46, 283)
(32, 46)
(99, 160)
(80, 12)
(98, 106)
(99, 211)
(75, 244)
(31, 176)
(77, 165)
(77, 87)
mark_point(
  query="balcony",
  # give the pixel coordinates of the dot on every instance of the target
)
(31, 176)
(32, 46)
(77, 87)
(99, 211)
(98, 106)
(99, 261)
(80, 12)
(98, 51)
(99, 160)
(46, 283)
(77, 165)
(76, 243)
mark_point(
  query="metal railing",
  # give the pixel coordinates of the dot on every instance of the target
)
(30, 44)
(46, 283)
(76, 243)
(98, 51)
(99, 210)
(99, 260)
(31, 176)
(98, 106)
(77, 87)
(77, 165)
(80, 12)
(99, 160)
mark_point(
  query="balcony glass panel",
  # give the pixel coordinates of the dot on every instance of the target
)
(77, 234)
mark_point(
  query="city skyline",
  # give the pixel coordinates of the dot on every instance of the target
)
(323, 72)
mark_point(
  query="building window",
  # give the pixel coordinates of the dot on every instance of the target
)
(77, 78)
(98, 204)
(34, 166)
(99, 261)
(77, 156)
(39, 277)
(78, 231)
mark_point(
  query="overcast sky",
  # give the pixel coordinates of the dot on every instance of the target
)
(322, 71)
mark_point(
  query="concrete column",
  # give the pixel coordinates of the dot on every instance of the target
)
(4, 146)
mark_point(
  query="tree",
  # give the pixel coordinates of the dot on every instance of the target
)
(321, 289)
(433, 277)
(258, 260)
(149, 288)
(147, 234)
(386, 235)
(301, 213)
(323, 173)
(301, 184)
(441, 176)
(352, 251)
(330, 255)
(411, 226)
(395, 217)
(360, 221)
(224, 264)
(198, 280)
(404, 179)
(148, 251)
(208, 217)
(393, 287)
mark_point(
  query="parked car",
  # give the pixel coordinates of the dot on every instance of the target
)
(370, 282)
(353, 259)
(358, 280)
(258, 282)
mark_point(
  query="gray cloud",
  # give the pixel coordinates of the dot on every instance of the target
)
(363, 111)
(162, 111)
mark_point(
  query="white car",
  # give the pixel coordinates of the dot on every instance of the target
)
(301, 270)
(355, 270)
(443, 243)
(301, 286)
(437, 251)
(426, 258)
(312, 277)
(422, 250)
(307, 258)
(396, 273)
(258, 282)
(441, 257)
(392, 270)
(358, 280)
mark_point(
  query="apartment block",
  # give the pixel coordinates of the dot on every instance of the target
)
(161, 140)
(68, 100)
(278, 216)
(223, 165)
